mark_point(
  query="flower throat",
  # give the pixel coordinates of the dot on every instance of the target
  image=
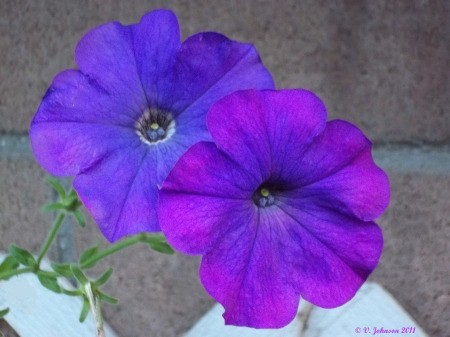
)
(155, 126)
(263, 197)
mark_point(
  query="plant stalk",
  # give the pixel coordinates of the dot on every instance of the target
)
(115, 247)
(96, 310)
(10, 273)
(51, 237)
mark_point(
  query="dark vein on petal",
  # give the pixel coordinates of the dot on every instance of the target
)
(128, 192)
(132, 37)
(250, 253)
(318, 240)
(247, 173)
(204, 195)
(340, 167)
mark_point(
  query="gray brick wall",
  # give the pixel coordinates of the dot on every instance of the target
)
(382, 65)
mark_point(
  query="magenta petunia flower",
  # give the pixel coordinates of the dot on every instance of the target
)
(137, 102)
(281, 206)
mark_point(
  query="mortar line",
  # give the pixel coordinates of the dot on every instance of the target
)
(397, 157)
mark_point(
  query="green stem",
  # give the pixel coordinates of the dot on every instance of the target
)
(10, 273)
(129, 241)
(47, 273)
(51, 237)
(96, 309)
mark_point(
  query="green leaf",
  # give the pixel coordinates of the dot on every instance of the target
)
(56, 185)
(79, 216)
(159, 244)
(62, 269)
(107, 298)
(79, 275)
(4, 312)
(72, 194)
(22, 256)
(84, 310)
(9, 263)
(68, 292)
(50, 283)
(71, 201)
(90, 264)
(103, 279)
(51, 207)
(88, 253)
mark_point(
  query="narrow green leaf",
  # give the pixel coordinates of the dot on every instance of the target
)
(150, 238)
(163, 248)
(72, 193)
(79, 216)
(103, 279)
(22, 256)
(88, 253)
(68, 292)
(107, 298)
(159, 244)
(84, 310)
(9, 263)
(50, 283)
(51, 207)
(79, 275)
(62, 269)
(89, 265)
(56, 185)
(4, 312)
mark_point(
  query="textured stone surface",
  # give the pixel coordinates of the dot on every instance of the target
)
(415, 262)
(381, 64)
(23, 192)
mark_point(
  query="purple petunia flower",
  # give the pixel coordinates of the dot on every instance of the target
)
(137, 102)
(280, 207)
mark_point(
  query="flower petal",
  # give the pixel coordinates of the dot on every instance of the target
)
(77, 124)
(330, 254)
(246, 273)
(156, 42)
(206, 161)
(259, 128)
(121, 192)
(106, 55)
(338, 171)
(209, 67)
(190, 208)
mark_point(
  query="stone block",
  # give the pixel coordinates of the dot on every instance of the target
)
(23, 193)
(414, 264)
(380, 64)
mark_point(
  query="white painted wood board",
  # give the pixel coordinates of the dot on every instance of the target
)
(372, 307)
(38, 312)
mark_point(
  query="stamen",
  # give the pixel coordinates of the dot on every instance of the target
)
(263, 198)
(155, 126)
(265, 192)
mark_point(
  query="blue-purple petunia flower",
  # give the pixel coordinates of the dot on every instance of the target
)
(281, 206)
(137, 102)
